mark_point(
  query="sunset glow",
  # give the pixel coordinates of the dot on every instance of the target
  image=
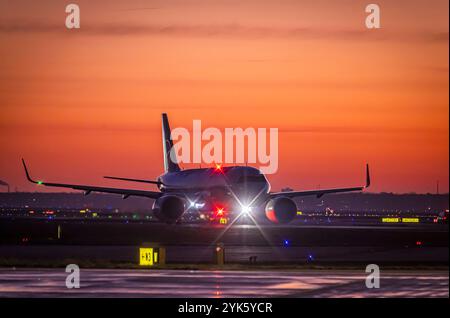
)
(80, 104)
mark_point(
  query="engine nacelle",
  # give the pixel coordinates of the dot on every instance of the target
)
(281, 210)
(169, 208)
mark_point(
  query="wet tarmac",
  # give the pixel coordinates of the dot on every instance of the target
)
(185, 283)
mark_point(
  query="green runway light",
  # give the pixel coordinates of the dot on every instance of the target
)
(39, 182)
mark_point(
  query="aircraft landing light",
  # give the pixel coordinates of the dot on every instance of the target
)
(246, 210)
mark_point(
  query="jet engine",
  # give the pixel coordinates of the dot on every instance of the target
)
(281, 210)
(168, 208)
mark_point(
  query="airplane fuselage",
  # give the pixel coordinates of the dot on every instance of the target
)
(236, 184)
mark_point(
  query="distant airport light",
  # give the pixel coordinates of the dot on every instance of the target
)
(419, 243)
(286, 242)
(390, 220)
(219, 211)
(196, 205)
(219, 254)
(410, 220)
(199, 205)
(39, 182)
(310, 257)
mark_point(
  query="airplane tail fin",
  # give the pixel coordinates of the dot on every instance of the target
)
(169, 164)
(367, 176)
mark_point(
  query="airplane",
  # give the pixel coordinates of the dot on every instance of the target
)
(239, 188)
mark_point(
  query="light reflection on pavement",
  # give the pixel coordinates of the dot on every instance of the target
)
(187, 283)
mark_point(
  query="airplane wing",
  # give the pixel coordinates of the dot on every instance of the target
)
(88, 189)
(321, 192)
(133, 180)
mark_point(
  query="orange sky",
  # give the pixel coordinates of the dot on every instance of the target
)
(80, 104)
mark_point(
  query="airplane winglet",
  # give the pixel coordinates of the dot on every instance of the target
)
(26, 172)
(367, 176)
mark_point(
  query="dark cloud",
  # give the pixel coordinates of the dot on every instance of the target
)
(140, 9)
(224, 30)
(375, 130)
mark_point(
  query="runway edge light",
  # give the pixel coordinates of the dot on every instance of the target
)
(219, 254)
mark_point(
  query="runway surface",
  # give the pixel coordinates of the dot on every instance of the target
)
(180, 283)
